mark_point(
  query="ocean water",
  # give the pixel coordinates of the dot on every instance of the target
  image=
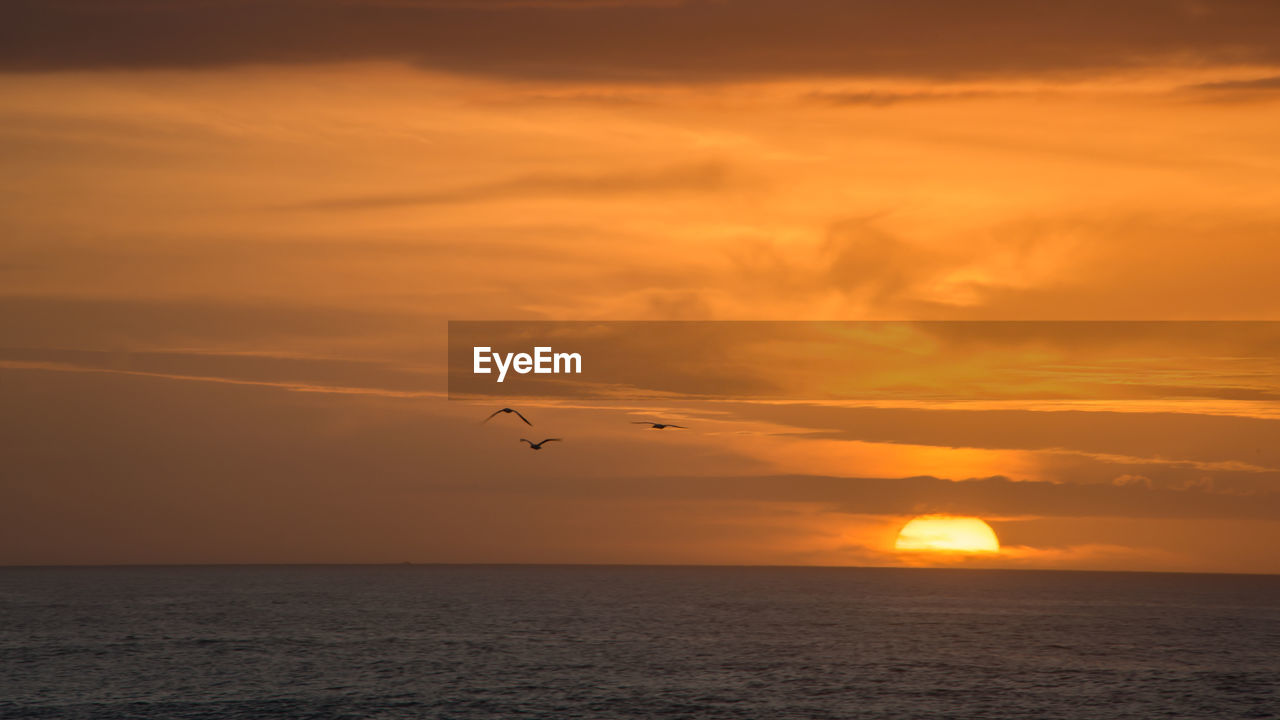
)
(634, 642)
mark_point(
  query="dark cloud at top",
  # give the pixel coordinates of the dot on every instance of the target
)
(690, 41)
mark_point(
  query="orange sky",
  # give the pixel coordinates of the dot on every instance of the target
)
(232, 234)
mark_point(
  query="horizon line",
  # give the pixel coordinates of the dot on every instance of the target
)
(407, 563)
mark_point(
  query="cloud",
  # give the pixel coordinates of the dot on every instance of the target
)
(1072, 267)
(884, 98)
(1265, 83)
(695, 40)
(1230, 91)
(507, 4)
(685, 178)
(129, 468)
(112, 323)
(991, 497)
(1104, 434)
(281, 371)
(863, 260)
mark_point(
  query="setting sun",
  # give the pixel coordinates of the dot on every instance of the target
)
(944, 533)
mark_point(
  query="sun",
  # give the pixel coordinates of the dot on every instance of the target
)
(947, 533)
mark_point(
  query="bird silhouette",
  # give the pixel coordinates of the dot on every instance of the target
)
(538, 445)
(657, 425)
(509, 410)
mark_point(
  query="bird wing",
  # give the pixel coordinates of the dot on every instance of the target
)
(551, 440)
(679, 426)
(528, 441)
(526, 420)
(641, 422)
(495, 412)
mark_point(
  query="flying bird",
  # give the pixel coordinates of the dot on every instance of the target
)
(538, 445)
(509, 410)
(657, 425)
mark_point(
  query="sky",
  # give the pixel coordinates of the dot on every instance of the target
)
(233, 233)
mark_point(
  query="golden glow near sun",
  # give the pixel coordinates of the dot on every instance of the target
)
(945, 533)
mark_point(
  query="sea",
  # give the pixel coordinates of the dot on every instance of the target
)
(477, 641)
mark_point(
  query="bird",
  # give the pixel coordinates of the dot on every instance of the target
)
(509, 410)
(657, 425)
(538, 445)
